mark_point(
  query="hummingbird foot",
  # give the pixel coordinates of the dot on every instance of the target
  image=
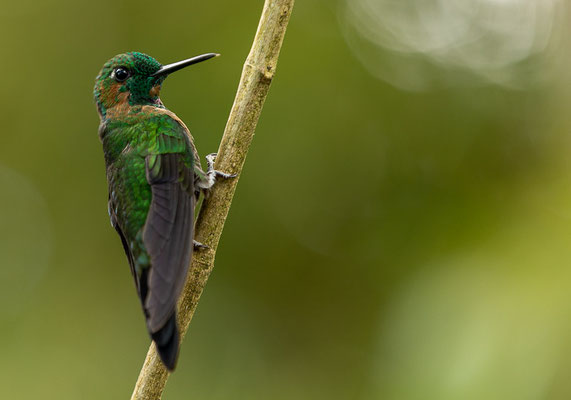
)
(199, 246)
(212, 173)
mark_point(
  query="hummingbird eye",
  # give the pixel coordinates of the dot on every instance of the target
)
(120, 74)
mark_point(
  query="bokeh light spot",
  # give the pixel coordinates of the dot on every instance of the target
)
(489, 39)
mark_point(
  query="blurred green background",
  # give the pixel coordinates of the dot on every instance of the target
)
(402, 228)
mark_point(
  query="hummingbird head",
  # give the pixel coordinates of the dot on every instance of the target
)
(135, 79)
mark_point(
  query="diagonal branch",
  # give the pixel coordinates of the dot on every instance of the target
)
(255, 82)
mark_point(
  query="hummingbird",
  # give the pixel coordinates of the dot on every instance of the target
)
(154, 179)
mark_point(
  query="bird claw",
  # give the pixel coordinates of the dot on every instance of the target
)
(199, 246)
(210, 159)
(224, 174)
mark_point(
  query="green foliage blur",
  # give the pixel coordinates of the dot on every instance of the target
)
(397, 234)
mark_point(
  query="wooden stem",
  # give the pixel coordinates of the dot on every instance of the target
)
(257, 76)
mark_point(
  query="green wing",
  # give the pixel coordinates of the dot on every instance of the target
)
(151, 205)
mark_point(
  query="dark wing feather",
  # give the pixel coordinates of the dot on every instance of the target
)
(115, 224)
(167, 234)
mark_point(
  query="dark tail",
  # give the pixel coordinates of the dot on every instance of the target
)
(166, 340)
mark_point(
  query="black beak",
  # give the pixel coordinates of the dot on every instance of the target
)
(167, 69)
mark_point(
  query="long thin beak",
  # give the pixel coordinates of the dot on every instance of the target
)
(167, 69)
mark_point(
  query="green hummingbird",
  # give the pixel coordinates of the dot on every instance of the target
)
(155, 179)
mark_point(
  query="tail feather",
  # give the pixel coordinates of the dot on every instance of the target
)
(166, 340)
